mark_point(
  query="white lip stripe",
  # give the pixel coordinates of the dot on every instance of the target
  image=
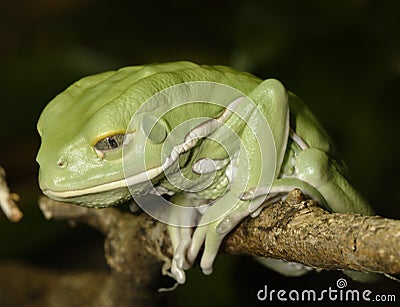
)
(92, 190)
(106, 186)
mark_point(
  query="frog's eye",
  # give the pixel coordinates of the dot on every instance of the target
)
(109, 144)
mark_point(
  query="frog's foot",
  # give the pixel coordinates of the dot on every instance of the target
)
(284, 267)
(211, 235)
(181, 239)
(271, 196)
(278, 192)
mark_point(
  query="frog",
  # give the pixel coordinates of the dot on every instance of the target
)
(213, 161)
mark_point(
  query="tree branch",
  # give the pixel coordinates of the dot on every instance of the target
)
(295, 230)
(137, 246)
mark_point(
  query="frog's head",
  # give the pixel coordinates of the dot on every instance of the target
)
(83, 130)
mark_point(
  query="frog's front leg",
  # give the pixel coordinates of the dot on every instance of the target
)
(263, 143)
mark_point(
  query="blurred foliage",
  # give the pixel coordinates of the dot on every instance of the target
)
(341, 57)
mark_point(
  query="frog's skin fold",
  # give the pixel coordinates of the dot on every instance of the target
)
(85, 128)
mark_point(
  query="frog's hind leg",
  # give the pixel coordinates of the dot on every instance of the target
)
(278, 192)
(315, 167)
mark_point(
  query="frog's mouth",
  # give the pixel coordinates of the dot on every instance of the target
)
(134, 183)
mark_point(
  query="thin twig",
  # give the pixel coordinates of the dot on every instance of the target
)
(8, 200)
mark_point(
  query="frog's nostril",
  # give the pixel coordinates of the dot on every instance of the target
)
(61, 163)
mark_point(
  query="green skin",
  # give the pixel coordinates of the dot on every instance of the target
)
(80, 163)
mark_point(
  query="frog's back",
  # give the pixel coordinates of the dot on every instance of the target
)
(129, 87)
(141, 82)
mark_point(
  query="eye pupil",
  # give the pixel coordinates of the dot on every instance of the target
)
(112, 142)
(109, 143)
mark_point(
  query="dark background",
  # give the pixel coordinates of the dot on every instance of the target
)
(341, 57)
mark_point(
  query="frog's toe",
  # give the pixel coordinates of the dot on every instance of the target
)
(231, 220)
(177, 273)
(198, 238)
(212, 244)
(181, 240)
(181, 250)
